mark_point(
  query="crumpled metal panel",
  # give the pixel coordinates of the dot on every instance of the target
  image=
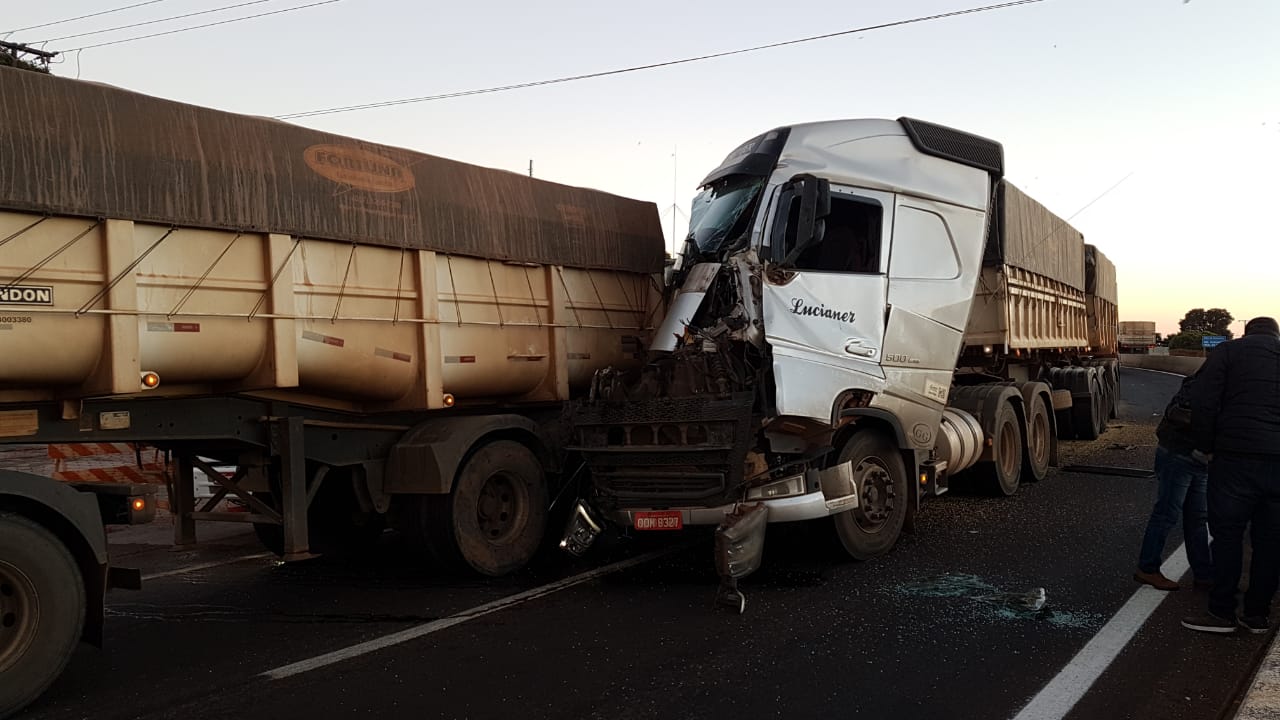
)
(77, 148)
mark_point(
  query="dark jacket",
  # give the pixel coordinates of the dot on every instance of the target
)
(1235, 405)
(1174, 431)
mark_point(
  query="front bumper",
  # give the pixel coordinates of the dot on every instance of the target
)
(809, 506)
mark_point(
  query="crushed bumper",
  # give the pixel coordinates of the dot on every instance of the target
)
(809, 506)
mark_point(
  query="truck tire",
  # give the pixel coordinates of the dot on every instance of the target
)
(872, 528)
(42, 609)
(1113, 389)
(1035, 461)
(1003, 473)
(1107, 382)
(1087, 415)
(494, 520)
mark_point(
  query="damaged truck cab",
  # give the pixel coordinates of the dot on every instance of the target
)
(813, 358)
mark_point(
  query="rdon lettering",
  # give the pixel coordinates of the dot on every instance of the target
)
(26, 295)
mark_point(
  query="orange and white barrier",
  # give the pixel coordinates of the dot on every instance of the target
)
(95, 463)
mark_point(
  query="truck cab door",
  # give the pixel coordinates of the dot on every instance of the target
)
(824, 295)
(936, 261)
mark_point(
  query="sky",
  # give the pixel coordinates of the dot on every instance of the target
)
(1178, 101)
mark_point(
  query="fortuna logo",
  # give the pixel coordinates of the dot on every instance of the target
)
(800, 307)
(26, 295)
(359, 168)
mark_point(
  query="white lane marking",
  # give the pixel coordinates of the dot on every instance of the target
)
(205, 566)
(1064, 691)
(1161, 372)
(434, 626)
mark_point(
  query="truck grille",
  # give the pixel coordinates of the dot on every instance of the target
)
(665, 451)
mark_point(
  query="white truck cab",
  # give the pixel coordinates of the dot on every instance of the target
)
(813, 359)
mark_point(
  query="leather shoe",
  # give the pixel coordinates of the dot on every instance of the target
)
(1155, 580)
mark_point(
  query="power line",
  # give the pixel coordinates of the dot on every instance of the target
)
(651, 66)
(1067, 223)
(206, 25)
(153, 22)
(1104, 194)
(82, 17)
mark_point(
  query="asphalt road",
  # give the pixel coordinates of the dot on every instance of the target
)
(909, 635)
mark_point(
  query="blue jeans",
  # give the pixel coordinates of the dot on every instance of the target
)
(1181, 493)
(1244, 490)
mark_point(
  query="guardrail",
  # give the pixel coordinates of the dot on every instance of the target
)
(1164, 363)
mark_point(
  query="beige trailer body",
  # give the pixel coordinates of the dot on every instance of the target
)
(357, 327)
(1137, 332)
(238, 254)
(1032, 292)
(1103, 297)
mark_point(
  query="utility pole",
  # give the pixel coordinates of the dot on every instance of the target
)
(11, 54)
(530, 167)
(675, 199)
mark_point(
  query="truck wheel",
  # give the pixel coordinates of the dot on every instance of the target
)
(1062, 404)
(496, 516)
(1087, 416)
(1107, 386)
(1113, 390)
(42, 609)
(1035, 462)
(1003, 473)
(873, 527)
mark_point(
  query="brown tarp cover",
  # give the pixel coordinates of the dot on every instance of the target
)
(1033, 238)
(77, 148)
(1101, 278)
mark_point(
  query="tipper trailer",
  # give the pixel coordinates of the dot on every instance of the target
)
(369, 335)
(1136, 336)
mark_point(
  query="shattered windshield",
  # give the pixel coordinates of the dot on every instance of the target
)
(718, 208)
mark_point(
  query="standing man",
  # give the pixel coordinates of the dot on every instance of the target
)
(1181, 486)
(1235, 416)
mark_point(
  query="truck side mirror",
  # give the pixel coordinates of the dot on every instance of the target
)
(803, 205)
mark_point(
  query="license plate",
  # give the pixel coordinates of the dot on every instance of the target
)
(659, 520)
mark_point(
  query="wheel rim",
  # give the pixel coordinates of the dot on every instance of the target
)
(19, 614)
(877, 497)
(501, 508)
(1038, 443)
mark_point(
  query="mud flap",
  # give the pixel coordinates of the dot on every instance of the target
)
(739, 549)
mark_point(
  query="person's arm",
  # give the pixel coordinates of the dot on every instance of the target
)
(1206, 398)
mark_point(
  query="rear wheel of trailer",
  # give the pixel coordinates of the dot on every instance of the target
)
(493, 520)
(1003, 473)
(1089, 412)
(1039, 440)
